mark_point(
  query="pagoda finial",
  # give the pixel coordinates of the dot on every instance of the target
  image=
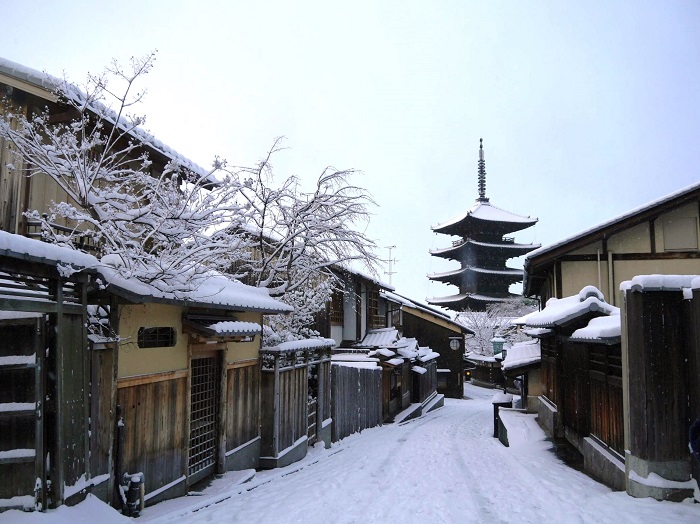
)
(482, 173)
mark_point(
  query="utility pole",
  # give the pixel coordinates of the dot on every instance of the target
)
(391, 261)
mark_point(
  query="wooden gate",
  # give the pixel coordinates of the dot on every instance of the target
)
(22, 447)
(204, 417)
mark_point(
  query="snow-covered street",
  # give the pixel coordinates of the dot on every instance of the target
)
(443, 467)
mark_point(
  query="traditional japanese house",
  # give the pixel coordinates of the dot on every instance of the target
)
(296, 400)
(555, 324)
(434, 329)
(660, 237)
(30, 91)
(356, 307)
(594, 353)
(382, 344)
(45, 375)
(188, 380)
(482, 250)
(523, 363)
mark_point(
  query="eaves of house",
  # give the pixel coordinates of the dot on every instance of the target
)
(538, 262)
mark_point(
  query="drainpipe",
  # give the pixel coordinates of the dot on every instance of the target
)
(611, 279)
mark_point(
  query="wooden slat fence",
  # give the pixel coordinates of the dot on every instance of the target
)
(356, 399)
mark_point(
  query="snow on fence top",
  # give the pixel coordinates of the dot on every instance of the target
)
(522, 354)
(560, 310)
(601, 328)
(50, 84)
(661, 283)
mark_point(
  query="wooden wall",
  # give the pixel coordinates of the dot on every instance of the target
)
(437, 338)
(155, 419)
(356, 399)
(242, 404)
(284, 409)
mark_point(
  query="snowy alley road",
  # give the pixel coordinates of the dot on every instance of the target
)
(444, 467)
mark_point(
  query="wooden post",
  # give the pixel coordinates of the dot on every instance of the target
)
(276, 407)
(223, 410)
(40, 395)
(658, 439)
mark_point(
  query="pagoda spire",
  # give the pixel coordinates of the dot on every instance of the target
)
(482, 173)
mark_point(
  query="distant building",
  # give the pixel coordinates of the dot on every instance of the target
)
(482, 250)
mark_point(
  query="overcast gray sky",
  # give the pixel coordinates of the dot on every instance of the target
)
(587, 109)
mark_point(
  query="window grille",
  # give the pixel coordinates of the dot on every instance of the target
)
(337, 308)
(156, 337)
(204, 414)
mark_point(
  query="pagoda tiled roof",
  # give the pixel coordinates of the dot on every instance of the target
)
(468, 300)
(510, 249)
(485, 212)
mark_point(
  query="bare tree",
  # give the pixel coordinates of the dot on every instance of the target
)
(298, 237)
(496, 321)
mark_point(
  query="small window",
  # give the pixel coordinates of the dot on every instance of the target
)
(156, 337)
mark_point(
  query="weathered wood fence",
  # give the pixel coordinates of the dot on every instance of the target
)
(357, 398)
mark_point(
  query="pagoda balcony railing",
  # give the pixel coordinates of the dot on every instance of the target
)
(505, 240)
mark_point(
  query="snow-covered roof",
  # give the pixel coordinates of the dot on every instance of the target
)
(48, 83)
(427, 354)
(308, 343)
(451, 299)
(506, 246)
(611, 222)
(659, 283)
(480, 270)
(23, 248)
(410, 303)
(224, 328)
(379, 337)
(522, 354)
(537, 332)
(215, 290)
(558, 311)
(488, 212)
(407, 347)
(602, 328)
(385, 352)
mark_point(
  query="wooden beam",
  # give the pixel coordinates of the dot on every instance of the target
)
(138, 380)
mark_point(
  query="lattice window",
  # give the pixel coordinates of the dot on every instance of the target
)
(156, 337)
(337, 314)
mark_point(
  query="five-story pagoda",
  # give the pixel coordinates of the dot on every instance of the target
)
(482, 251)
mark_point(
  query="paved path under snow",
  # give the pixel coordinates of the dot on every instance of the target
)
(444, 467)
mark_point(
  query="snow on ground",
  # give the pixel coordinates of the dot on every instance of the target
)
(443, 467)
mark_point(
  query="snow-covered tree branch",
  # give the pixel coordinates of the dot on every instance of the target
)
(495, 321)
(150, 221)
(298, 237)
